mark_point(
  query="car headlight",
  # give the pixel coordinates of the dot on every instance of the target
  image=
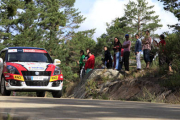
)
(57, 71)
(12, 70)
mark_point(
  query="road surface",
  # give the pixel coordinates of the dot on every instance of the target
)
(29, 108)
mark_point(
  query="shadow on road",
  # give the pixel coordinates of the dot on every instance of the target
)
(86, 109)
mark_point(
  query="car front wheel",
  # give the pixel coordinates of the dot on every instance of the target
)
(56, 94)
(4, 92)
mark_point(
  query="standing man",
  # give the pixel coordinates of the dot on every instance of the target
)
(138, 49)
(126, 46)
(90, 63)
(107, 59)
(147, 48)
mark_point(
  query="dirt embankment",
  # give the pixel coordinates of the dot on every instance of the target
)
(110, 84)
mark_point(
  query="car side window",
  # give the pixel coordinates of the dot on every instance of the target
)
(3, 55)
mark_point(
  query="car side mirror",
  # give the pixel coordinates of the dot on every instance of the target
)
(57, 62)
(1, 61)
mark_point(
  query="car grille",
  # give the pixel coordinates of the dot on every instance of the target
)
(37, 83)
(27, 77)
(32, 73)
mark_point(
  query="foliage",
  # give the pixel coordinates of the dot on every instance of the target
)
(141, 16)
(147, 96)
(91, 87)
(172, 50)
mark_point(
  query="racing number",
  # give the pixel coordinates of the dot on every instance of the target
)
(53, 78)
(18, 77)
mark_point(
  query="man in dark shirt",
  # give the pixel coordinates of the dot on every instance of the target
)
(107, 59)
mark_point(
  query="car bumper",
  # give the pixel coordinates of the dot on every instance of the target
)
(24, 87)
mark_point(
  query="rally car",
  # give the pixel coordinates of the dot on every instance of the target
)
(29, 69)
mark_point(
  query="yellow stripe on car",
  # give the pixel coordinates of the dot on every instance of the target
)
(18, 77)
(53, 78)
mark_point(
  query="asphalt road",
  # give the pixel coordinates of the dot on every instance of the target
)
(29, 108)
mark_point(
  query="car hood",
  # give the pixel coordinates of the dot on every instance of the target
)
(35, 66)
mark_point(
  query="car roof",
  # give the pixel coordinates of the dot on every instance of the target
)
(22, 48)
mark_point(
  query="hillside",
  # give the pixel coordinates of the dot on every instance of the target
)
(111, 85)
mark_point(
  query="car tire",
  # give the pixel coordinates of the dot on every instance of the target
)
(56, 94)
(40, 94)
(4, 92)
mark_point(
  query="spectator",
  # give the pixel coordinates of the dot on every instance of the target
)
(138, 49)
(126, 54)
(162, 57)
(90, 62)
(86, 57)
(81, 64)
(147, 48)
(107, 59)
(117, 54)
(121, 60)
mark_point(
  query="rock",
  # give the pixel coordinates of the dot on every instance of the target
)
(162, 97)
(173, 98)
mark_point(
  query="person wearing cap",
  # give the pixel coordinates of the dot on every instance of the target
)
(126, 46)
(147, 48)
(138, 49)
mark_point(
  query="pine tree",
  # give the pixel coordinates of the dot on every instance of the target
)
(59, 19)
(40, 23)
(141, 16)
(8, 12)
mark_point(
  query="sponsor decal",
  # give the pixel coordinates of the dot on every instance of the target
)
(7, 84)
(12, 50)
(58, 62)
(19, 50)
(34, 50)
(18, 77)
(54, 78)
(36, 68)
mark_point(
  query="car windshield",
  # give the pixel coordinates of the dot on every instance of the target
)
(29, 57)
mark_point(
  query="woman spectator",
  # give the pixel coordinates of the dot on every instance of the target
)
(126, 46)
(147, 48)
(117, 54)
(162, 57)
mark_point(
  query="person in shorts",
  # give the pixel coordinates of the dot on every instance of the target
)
(147, 48)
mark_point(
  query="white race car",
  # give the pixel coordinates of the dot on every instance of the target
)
(29, 69)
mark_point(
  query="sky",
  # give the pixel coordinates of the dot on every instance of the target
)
(100, 12)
